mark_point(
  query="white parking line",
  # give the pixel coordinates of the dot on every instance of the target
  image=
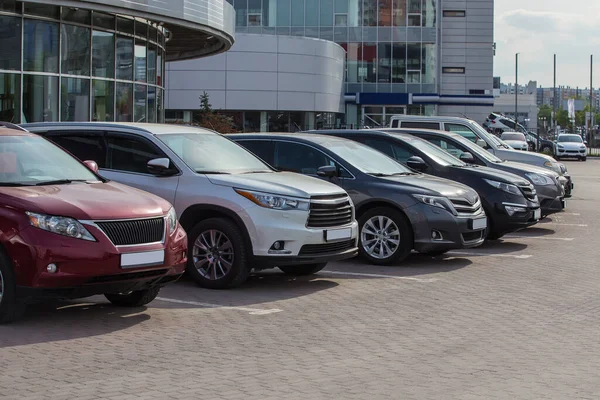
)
(569, 213)
(538, 237)
(561, 224)
(468, 253)
(405, 278)
(251, 311)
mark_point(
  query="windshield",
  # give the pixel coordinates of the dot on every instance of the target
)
(211, 153)
(570, 139)
(513, 136)
(436, 154)
(32, 160)
(488, 137)
(365, 158)
(477, 150)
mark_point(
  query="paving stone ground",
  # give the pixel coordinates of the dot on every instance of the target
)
(515, 319)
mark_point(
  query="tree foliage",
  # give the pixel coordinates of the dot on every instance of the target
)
(211, 119)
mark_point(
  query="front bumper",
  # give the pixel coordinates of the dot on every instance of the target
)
(456, 232)
(87, 268)
(502, 222)
(571, 153)
(550, 198)
(301, 244)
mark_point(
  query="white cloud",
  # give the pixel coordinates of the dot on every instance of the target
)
(537, 29)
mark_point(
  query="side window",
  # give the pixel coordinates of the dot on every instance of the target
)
(463, 131)
(420, 125)
(402, 154)
(395, 123)
(83, 146)
(263, 149)
(447, 146)
(379, 144)
(301, 158)
(130, 154)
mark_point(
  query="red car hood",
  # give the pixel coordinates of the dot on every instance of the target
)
(96, 201)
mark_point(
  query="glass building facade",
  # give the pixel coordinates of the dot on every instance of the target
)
(71, 64)
(391, 45)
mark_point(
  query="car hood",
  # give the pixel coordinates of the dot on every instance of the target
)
(432, 185)
(281, 183)
(571, 146)
(494, 174)
(523, 156)
(95, 201)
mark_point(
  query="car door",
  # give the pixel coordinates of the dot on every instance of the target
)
(81, 144)
(127, 159)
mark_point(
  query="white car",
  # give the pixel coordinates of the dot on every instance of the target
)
(570, 145)
(516, 140)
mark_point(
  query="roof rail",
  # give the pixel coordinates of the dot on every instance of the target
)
(10, 125)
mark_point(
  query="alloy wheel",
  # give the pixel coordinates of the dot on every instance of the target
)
(380, 237)
(213, 254)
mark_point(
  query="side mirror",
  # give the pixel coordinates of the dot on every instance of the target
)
(467, 157)
(327, 171)
(481, 143)
(92, 165)
(160, 166)
(416, 163)
(585, 142)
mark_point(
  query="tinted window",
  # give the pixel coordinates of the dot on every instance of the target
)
(462, 130)
(570, 139)
(420, 125)
(513, 136)
(130, 154)
(296, 157)
(84, 147)
(379, 144)
(263, 149)
(449, 147)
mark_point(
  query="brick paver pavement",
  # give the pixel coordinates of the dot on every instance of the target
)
(516, 319)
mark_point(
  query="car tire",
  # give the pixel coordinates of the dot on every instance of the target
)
(369, 222)
(583, 158)
(11, 309)
(302, 270)
(237, 258)
(134, 299)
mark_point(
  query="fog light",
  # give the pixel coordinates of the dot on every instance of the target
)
(277, 245)
(279, 248)
(436, 235)
(52, 268)
(511, 210)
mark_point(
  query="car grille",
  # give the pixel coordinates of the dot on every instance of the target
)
(528, 191)
(466, 209)
(472, 236)
(128, 276)
(329, 211)
(326, 248)
(139, 231)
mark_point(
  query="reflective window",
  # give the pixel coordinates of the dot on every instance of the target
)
(40, 47)
(40, 98)
(76, 15)
(151, 104)
(103, 20)
(141, 29)
(385, 13)
(103, 54)
(159, 67)
(140, 61)
(11, 6)
(124, 58)
(399, 63)
(429, 67)
(42, 10)
(140, 99)
(326, 13)
(278, 121)
(384, 58)
(10, 42)
(130, 155)
(160, 114)
(370, 12)
(124, 106)
(75, 99)
(10, 94)
(367, 71)
(312, 18)
(83, 146)
(300, 158)
(353, 61)
(75, 50)
(151, 64)
(241, 8)
(283, 12)
(103, 107)
(254, 13)
(429, 14)
(399, 12)
(125, 25)
(297, 13)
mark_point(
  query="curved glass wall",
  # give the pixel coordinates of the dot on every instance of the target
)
(390, 44)
(61, 63)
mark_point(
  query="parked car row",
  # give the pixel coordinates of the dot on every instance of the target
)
(133, 206)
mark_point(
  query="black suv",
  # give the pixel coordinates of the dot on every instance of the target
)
(510, 202)
(397, 209)
(547, 183)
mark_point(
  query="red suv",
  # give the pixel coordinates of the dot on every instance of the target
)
(66, 232)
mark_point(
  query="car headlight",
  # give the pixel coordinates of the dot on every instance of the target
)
(560, 146)
(172, 220)
(538, 179)
(274, 201)
(60, 225)
(554, 166)
(435, 201)
(505, 187)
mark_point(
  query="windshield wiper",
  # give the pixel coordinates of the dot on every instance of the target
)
(14, 184)
(258, 172)
(62, 182)
(199, 171)
(380, 174)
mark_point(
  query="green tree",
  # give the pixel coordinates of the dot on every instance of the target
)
(209, 118)
(562, 118)
(205, 106)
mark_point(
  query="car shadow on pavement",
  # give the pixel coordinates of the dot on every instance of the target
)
(501, 246)
(536, 231)
(56, 321)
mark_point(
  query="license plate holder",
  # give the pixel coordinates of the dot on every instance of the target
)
(478, 224)
(537, 214)
(142, 259)
(564, 203)
(337, 234)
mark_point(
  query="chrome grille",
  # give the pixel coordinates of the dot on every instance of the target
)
(329, 211)
(466, 209)
(139, 231)
(528, 191)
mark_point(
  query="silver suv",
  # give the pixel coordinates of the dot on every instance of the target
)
(238, 212)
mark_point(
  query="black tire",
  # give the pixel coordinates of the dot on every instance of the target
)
(494, 235)
(404, 228)
(557, 158)
(239, 271)
(583, 158)
(435, 253)
(11, 309)
(302, 270)
(134, 299)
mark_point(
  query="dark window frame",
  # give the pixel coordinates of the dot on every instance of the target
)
(454, 13)
(77, 133)
(453, 70)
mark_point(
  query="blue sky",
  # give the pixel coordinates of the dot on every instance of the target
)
(539, 28)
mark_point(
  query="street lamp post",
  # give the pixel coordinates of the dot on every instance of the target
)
(516, 89)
